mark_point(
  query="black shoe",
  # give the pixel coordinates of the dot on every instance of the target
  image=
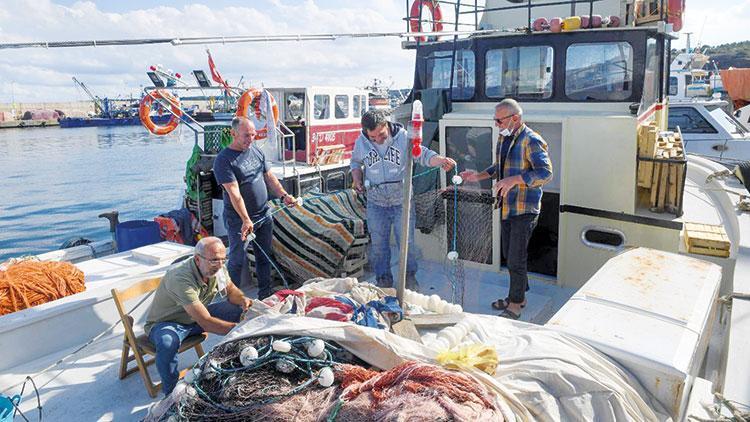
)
(411, 282)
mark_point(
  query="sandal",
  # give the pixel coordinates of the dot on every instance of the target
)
(510, 314)
(502, 304)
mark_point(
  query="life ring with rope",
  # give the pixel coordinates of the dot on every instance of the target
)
(144, 112)
(675, 9)
(415, 18)
(253, 97)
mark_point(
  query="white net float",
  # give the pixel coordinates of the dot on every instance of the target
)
(285, 366)
(457, 180)
(452, 256)
(325, 377)
(299, 201)
(281, 346)
(248, 355)
(315, 348)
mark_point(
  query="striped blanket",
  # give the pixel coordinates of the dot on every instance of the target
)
(314, 240)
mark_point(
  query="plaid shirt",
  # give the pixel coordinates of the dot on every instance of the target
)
(528, 157)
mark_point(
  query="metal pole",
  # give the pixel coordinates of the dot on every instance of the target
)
(405, 214)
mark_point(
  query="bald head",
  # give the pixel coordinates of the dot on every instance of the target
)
(243, 133)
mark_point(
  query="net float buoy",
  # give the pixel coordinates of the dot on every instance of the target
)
(248, 355)
(316, 348)
(325, 377)
(281, 346)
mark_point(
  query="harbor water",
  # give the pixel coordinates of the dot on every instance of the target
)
(57, 181)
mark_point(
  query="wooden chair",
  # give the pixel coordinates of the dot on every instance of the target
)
(141, 345)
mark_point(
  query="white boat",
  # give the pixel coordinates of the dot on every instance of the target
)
(624, 281)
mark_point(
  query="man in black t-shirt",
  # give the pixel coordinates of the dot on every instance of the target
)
(242, 170)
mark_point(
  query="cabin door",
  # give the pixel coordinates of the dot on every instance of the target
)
(472, 222)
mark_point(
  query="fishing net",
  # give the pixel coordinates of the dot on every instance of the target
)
(28, 283)
(307, 379)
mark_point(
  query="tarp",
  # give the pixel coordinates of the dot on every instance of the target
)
(737, 84)
(542, 375)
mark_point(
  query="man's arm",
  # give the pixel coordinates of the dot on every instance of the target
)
(199, 313)
(541, 166)
(446, 163)
(233, 190)
(275, 187)
(236, 297)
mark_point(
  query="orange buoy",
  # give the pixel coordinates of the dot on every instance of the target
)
(144, 112)
(258, 117)
(415, 19)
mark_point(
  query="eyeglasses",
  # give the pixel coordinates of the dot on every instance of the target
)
(214, 261)
(498, 121)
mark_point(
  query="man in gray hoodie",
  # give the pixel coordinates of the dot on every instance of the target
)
(378, 163)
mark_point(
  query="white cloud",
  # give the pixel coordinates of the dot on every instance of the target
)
(45, 74)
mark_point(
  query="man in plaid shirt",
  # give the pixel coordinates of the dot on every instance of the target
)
(522, 167)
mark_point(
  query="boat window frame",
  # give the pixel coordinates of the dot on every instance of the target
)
(316, 110)
(336, 107)
(521, 96)
(688, 130)
(628, 92)
(635, 36)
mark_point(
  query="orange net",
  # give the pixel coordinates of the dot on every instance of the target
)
(414, 377)
(29, 283)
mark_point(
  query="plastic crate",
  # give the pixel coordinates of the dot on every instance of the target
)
(212, 138)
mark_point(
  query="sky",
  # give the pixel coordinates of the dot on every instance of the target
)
(35, 75)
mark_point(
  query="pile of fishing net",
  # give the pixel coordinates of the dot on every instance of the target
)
(28, 283)
(302, 378)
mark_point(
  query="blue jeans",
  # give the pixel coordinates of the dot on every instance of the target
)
(380, 221)
(168, 336)
(238, 267)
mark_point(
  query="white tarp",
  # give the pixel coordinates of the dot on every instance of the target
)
(542, 375)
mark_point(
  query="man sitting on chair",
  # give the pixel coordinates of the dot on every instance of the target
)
(183, 307)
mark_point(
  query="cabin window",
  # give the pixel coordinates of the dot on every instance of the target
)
(438, 65)
(651, 78)
(295, 106)
(689, 120)
(364, 103)
(357, 103)
(342, 106)
(322, 107)
(520, 72)
(599, 71)
(673, 85)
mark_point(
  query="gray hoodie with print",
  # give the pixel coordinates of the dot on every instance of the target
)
(384, 165)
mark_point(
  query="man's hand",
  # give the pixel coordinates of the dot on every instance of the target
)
(469, 176)
(289, 200)
(446, 163)
(503, 186)
(358, 186)
(247, 228)
(246, 303)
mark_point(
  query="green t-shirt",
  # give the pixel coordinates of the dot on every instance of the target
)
(180, 286)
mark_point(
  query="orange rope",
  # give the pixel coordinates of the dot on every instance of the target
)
(30, 283)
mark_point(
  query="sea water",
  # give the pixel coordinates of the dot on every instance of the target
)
(55, 182)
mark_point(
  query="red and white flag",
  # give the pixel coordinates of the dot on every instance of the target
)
(215, 75)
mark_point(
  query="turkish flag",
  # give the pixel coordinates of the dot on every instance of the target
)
(215, 75)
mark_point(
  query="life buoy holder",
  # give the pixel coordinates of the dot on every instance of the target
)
(675, 9)
(415, 18)
(144, 112)
(258, 115)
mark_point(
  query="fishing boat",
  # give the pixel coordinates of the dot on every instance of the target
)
(638, 251)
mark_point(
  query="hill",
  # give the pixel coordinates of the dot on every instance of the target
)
(735, 54)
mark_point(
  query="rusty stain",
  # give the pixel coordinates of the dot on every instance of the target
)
(676, 391)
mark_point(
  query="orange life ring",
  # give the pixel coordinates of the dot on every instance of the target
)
(144, 112)
(415, 18)
(675, 9)
(258, 117)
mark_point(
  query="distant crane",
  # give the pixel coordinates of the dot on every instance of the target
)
(101, 106)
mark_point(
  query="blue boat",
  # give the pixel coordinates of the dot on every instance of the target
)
(69, 122)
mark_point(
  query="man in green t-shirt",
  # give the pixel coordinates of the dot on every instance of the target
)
(183, 306)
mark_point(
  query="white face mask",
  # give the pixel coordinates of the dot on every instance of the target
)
(505, 132)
